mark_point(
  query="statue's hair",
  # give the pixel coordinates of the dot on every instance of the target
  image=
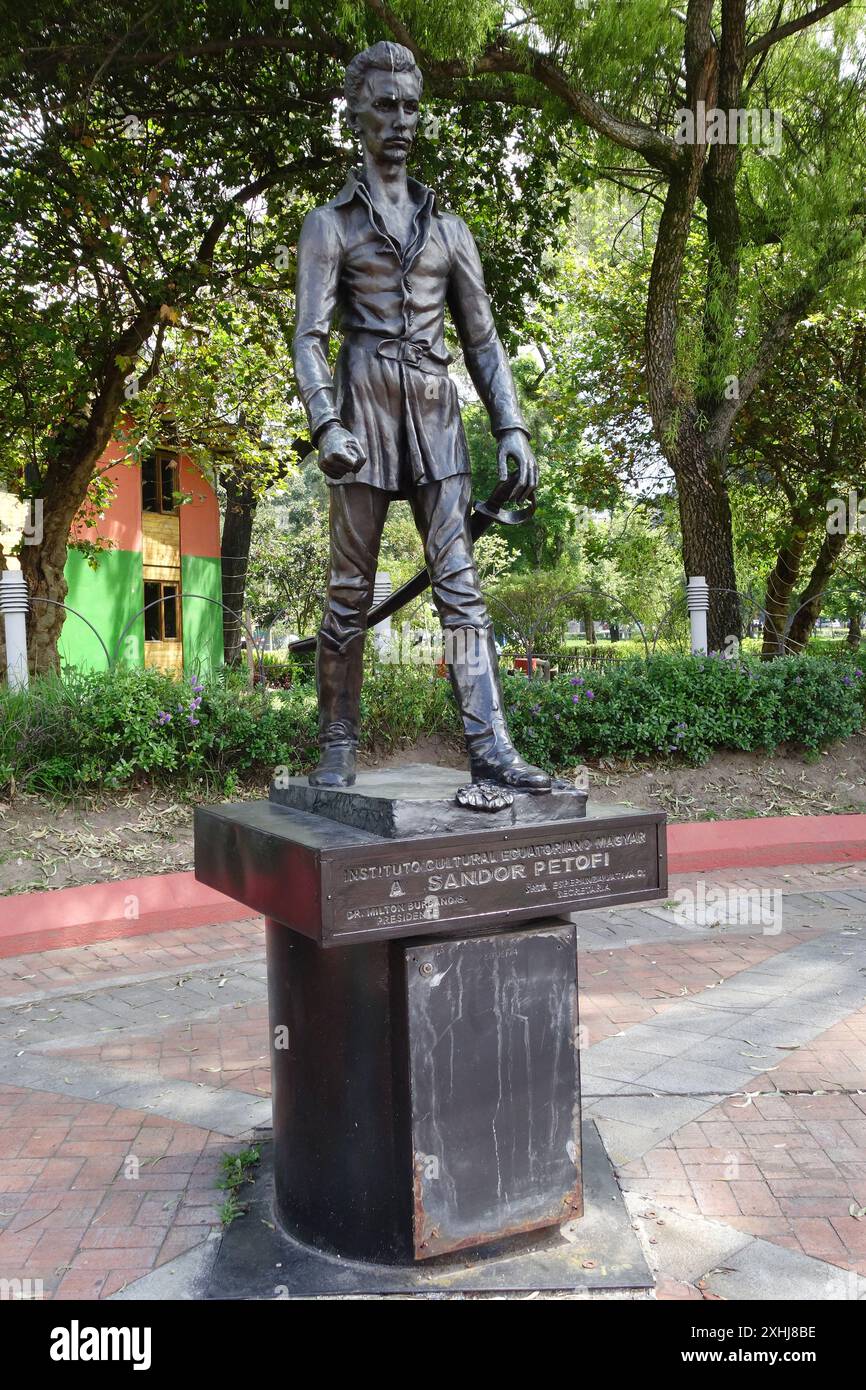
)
(382, 57)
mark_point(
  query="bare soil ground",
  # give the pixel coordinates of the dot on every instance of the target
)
(47, 844)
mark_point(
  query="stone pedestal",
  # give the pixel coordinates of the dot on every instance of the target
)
(422, 986)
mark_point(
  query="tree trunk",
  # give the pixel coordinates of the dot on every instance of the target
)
(73, 456)
(812, 596)
(855, 632)
(235, 557)
(707, 532)
(780, 586)
(589, 627)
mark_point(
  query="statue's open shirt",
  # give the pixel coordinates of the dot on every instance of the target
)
(391, 386)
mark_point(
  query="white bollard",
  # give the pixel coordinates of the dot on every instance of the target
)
(698, 600)
(15, 605)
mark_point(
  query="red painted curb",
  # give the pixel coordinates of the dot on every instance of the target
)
(105, 911)
(32, 922)
(765, 841)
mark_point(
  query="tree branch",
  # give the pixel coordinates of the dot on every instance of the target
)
(505, 55)
(793, 26)
(147, 376)
(774, 337)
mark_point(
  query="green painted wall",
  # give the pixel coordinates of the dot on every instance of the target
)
(202, 622)
(108, 597)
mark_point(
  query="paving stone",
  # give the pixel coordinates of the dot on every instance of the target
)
(631, 1126)
(726, 1051)
(768, 1028)
(761, 1270)
(142, 1034)
(696, 1018)
(663, 1042)
(683, 1076)
(181, 1279)
(686, 1247)
(619, 1062)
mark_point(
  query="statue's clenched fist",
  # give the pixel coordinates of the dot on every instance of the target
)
(514, 444)
(339, 452)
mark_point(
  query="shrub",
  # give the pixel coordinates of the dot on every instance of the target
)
(116, 729)
(685, 705)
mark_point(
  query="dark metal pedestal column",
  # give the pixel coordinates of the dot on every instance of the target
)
(426, 1091)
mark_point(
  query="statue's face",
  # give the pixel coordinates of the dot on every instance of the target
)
(386, 116)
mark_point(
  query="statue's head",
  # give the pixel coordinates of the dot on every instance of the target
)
(383, 92)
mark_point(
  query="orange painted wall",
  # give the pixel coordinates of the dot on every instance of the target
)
(121, 523)
(200, 517)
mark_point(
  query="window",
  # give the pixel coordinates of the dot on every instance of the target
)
(161, 620)
(159, 482)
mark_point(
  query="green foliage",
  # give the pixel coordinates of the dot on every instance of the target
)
(288, 568)
(235, 1171)
(113, 730)
(124, 138)
(403, 703)
(116, 729)
(235, 1168)
(532, 607)
(685, 705)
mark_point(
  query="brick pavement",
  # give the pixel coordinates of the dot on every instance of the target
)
(128, 1067)
(95, 1196)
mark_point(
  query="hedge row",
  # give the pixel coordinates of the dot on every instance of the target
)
(125, 727)
(687, 706)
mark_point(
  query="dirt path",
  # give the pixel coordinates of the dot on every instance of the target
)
(49, 845)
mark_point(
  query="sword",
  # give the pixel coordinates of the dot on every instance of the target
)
(483, 516)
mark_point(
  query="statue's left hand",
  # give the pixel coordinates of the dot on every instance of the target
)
(514, 445)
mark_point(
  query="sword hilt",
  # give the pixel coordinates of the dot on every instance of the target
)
(494, 508)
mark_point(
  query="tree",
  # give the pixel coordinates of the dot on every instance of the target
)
(288, 571)
(575, 474)
(140, 153)
(746, 238)
(803, 437)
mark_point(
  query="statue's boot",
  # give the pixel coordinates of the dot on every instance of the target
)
(474, 672)
(339, 672)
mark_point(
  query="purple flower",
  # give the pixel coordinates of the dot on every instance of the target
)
(195, 684)
(163, 717)
(590, 694)
(575, 698)
(192, 719)
(577, 680)
(846, 680)
(858, 673)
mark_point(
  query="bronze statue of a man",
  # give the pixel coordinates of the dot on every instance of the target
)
(387, 424)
